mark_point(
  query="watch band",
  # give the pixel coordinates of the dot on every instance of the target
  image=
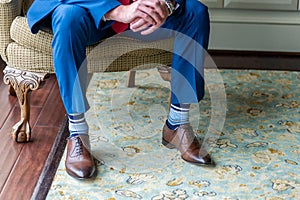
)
(169, 4)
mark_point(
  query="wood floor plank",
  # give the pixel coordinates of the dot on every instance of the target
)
(39, 97)
(45, 180)
(25, 174)
(9, 149)
(7, 103)
(53, 111)
(255, 60)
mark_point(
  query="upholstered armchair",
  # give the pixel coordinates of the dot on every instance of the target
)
(29, 59)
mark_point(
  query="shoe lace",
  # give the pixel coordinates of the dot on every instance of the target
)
(78, 150)
(188, 134)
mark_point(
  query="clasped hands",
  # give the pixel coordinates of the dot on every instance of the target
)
(143, 15)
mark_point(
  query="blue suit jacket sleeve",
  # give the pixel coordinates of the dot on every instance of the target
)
(40, 9)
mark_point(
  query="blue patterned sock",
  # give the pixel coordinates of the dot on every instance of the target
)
(77, 124)
(179, 114)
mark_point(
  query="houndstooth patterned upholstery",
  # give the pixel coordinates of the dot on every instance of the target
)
(21, 49)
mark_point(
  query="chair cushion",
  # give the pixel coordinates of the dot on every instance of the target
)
(21, 34)
(26, 59)
(113, 54)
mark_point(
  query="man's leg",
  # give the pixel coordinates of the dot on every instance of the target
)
(191, 31)
(189, 25)
(73, 30)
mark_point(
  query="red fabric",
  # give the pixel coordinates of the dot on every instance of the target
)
(119, 27)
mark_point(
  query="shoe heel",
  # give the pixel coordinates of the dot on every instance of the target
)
(167, 144)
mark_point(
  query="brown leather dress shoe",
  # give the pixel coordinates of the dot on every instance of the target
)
(79, 161)
(184, 139)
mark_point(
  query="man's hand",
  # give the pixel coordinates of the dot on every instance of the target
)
(157, 9)
(142, 15)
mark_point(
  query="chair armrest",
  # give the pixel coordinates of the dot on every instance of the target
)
(9, 9)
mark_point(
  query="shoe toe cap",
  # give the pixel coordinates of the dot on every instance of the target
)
(80, 172)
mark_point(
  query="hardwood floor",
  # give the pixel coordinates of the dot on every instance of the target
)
(256, 60)
(27, 169)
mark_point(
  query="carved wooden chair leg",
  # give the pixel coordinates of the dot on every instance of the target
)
(131, 78)
(22, 83)
(12, 91)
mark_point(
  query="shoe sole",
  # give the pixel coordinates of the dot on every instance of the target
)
(167, 144)
(171, 146)
(212, 164)
(81, 178)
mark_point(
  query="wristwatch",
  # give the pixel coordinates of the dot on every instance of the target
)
(170, 5)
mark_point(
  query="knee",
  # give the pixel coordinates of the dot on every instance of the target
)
(66, 17)
(196, 8)
(197, 13)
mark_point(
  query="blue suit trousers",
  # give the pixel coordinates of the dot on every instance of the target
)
(74, 29)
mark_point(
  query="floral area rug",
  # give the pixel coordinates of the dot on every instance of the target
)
(254, 138)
